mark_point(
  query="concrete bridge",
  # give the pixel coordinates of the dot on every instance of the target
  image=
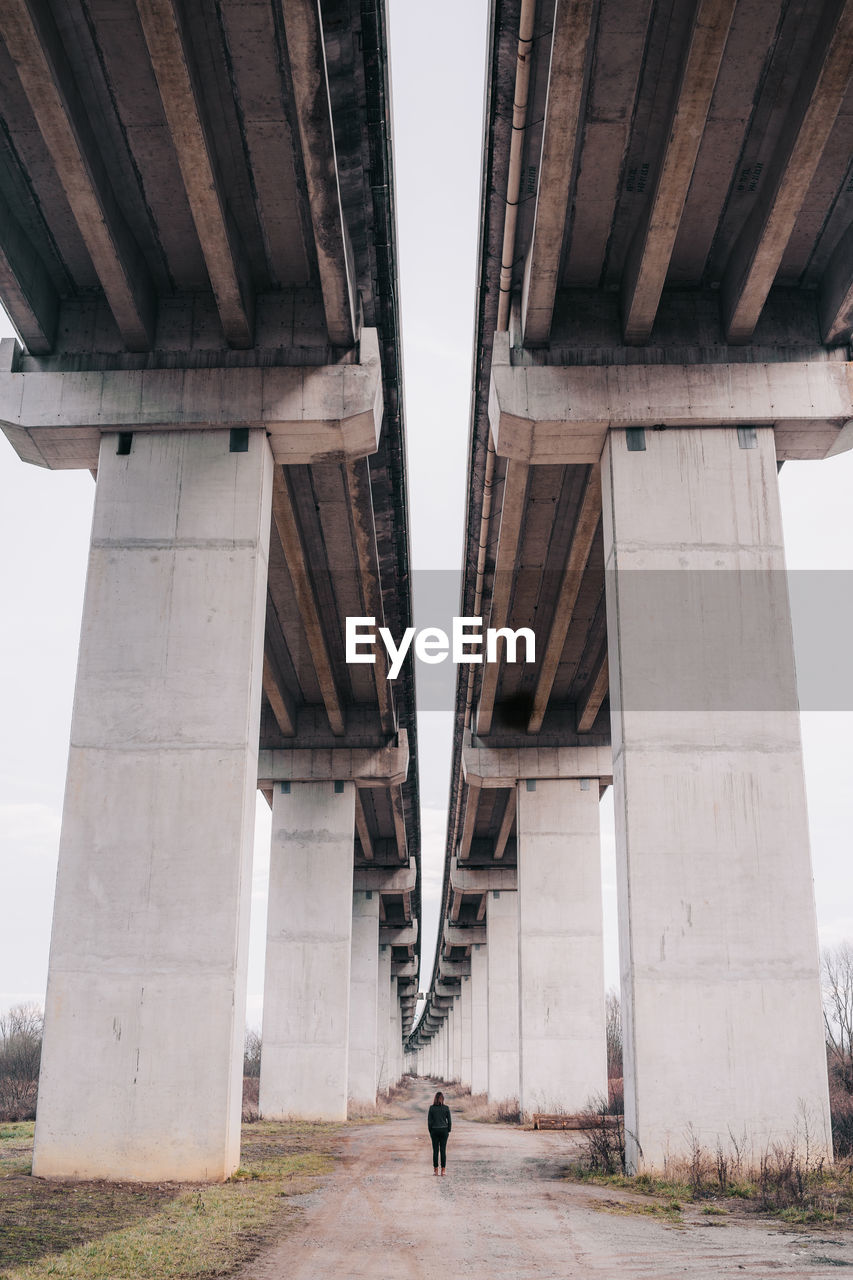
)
(664, 317)
(197, 252)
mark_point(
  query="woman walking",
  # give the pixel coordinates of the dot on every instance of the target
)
(439, 1125)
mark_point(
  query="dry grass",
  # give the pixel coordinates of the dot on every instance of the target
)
(476, 1106)
(108, 1231)
(785, 1183)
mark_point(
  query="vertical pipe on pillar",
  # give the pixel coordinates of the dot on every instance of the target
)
(502, 962)
(141, 1072)
(718, 940)
(364, 998)
(562, 1051)
(309, 934)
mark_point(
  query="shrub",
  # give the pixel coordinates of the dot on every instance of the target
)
(20, 1058)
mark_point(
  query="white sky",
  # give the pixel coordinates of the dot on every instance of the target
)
(45, 517)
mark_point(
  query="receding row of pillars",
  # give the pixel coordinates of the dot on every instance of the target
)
(719, 968)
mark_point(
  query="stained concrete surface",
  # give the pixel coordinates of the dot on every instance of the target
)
(505, 1210)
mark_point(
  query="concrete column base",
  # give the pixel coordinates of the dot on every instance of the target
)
(562, 1052)
(141, 1075)
(502, 961)
(720, 982)
(364, 998)
(465, 1020)
(385, 1064)
(309, 936)
(479, 1019)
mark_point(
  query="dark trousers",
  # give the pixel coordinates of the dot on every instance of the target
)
(439, 1146)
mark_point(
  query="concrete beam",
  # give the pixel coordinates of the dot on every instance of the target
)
(405, 937)
(357, 479)
(399, 816)
(504, 766)
(479, 880)
(29, 296)
(453, 968)
(362, 829)
(462, 935)
(570, 49)
(447, 989)
(404, 968)
(224, 255)
(277, 695)
(506, 824)
(650, 253)
(310, 414)
(390, 880)
(469, 821)
(561, 414)
(36, 48)
(835, 299)
(512, 514)
(287, 525)
(583, 535)
(306, 54)
(759, 249)
(590, 702)
(365, 766)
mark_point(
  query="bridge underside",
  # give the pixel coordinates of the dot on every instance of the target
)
(664, 315)
(197, 252)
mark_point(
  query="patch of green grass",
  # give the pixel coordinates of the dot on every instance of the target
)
(670, 1211)
(109, 1231)
(714, 1210)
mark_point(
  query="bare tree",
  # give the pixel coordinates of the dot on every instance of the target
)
(252, 1053)
(20, 1058)
(613, 1015)
(837, 978)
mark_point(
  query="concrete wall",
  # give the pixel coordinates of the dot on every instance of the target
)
(718, 941)
(145, 1016)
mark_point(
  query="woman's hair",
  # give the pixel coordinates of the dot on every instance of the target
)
(439, 1097)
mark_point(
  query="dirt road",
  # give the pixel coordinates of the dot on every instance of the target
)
(504, 1210)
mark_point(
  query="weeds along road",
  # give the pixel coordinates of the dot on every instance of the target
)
(506, 1210)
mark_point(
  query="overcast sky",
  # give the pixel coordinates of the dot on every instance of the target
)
(438, 59)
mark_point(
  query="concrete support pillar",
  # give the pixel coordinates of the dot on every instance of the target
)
(141, 1073)
(385, 1064)
(502, 961)
(457, 1040)
(395, 1042)
(309, 931)
(720, 987)
(479, 1019)
(562, 1051)
(364, 997)
(465, 1020)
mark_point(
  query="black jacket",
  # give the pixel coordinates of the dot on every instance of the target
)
(438, 1118)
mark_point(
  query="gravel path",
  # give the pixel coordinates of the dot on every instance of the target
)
(504, 1210)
